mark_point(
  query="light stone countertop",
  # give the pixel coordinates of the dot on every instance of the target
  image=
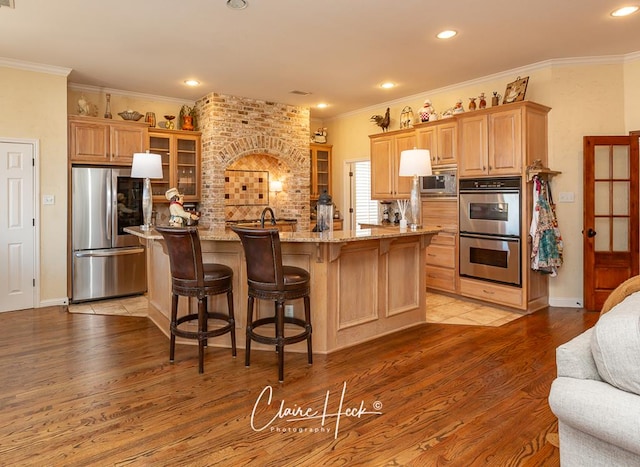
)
(338, 236)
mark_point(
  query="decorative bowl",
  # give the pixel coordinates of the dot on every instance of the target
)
(130, 115)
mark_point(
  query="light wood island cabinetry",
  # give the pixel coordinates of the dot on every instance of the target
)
(105, 142)
(364, 283)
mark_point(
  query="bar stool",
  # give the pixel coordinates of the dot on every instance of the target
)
(190, 277)
(268, 279)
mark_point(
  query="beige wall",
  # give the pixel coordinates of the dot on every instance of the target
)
(632, 93)
(33, 105)
(592, 98)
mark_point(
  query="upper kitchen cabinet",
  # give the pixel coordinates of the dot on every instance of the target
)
(180, 151)
(385, 163)
(320, 169)
(100, 141)
(502, 140)
(441, 139)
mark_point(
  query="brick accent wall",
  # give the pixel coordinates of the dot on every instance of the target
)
(240, 133)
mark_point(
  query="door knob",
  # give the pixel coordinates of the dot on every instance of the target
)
(591, 233)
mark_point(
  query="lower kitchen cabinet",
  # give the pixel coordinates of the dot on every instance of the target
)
(441, 256)
(494, 293)
(441, 262)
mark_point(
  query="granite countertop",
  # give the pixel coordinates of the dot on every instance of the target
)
(337, 236)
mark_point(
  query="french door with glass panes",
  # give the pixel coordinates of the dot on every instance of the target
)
(611, 210)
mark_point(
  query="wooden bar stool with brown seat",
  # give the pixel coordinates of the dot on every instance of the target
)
(190, 277)
(268, 279)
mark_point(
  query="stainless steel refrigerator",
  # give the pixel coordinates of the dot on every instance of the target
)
(107, 261)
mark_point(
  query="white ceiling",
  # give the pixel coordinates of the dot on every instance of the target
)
(339, 50)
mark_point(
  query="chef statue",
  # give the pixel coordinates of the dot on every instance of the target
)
(178, 216)
(427, 112)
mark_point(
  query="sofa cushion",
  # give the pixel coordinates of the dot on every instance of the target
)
(615, 344)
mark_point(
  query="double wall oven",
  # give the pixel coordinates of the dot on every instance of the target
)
(490, 229)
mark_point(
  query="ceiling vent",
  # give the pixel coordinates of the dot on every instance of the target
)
(9, 3)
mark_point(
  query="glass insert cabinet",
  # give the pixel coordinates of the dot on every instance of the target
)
(320, 170)
(180, 151)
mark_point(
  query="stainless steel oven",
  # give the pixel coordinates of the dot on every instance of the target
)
(490, 229)
(496, 259)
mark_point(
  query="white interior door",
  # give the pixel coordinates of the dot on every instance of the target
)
(17, 242)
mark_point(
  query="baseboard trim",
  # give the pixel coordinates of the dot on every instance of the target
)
(566, 302)
(54, 302)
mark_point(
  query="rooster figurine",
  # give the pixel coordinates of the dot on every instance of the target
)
(382, 122)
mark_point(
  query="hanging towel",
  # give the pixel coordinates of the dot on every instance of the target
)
(547, 245)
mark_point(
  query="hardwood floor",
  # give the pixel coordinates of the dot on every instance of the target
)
(82, 389)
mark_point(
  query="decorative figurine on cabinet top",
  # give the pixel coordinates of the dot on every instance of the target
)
(427, 112)
(320, 136)
(406, 118)
(495, 100)
(178, 216)
(458, 108)
(483, 102)
(382, 122)
(472, 103)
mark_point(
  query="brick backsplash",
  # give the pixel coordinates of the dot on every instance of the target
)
(253, 135)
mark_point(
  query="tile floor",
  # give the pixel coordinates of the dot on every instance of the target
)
(440, 309)
(450, 310)
(126, 306)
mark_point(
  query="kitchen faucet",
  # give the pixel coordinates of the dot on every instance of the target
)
(273, 216)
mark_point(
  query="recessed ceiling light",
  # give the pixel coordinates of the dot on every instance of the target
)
(448, 34)
(237, 4)
(322, 105)
(192, 82)
(387, 85)
(624, 11)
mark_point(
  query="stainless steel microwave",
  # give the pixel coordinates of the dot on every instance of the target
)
(440, 183)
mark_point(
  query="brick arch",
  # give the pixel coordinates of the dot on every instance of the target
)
(296, 161)
(269, 145)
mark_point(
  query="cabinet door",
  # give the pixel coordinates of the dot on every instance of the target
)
(473, 146)
(88, 142)
(126, 140)
(427, 138)
(382, 150)
(187, 178)
(505, 142)
(161, 144)
(447, 143)
(403, 184)
(320, 171)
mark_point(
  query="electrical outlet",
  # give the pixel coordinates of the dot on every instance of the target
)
(288, 311)
(566, 197)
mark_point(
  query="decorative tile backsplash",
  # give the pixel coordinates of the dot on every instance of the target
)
(246, 188)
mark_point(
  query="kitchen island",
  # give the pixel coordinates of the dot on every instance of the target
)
(364, 283)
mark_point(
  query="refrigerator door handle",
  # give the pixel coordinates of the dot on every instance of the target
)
(109, 202)
(106, 253)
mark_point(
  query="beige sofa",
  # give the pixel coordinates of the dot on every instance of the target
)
(596, 395)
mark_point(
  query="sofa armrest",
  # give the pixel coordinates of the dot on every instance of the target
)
(598, 409)
(575, 360)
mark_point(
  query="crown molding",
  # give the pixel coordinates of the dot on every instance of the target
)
(37, 67)
(509, 74)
